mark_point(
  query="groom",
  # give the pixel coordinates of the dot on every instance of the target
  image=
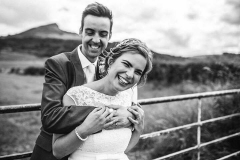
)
(66, 70)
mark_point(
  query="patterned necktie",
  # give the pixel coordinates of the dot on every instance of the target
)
(90, 75)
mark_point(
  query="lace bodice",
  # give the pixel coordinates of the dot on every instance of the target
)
(107, 141)
(84, 96)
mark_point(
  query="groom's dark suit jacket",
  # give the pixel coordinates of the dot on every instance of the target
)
(63, 71)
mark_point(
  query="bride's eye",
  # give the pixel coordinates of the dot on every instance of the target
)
(139, 73)
(126, 64)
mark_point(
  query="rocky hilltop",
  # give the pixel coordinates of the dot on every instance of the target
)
(51, 31)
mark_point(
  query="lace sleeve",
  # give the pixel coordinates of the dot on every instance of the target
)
(72, 93)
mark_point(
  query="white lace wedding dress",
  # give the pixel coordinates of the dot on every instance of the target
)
(108, 144)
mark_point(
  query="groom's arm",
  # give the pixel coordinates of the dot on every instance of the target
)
(55, 117)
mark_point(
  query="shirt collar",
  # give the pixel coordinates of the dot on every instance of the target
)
(84, 61)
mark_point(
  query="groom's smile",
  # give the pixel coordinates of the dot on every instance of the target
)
(95, 47)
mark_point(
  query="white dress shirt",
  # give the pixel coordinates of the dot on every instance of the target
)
(85, 63)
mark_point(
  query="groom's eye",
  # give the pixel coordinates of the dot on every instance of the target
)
(103, 33)
(89, 32)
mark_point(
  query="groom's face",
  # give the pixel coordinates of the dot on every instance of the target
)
(95, 36)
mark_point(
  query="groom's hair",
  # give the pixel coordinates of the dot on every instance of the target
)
(98, 10)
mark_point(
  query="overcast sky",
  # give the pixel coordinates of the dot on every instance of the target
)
(176, 27)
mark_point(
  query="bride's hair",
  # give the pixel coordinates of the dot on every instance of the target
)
(131, 44)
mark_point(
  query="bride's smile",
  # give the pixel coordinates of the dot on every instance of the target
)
(126, 71)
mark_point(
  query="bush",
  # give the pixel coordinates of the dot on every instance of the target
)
(34, 71)
(203, 73)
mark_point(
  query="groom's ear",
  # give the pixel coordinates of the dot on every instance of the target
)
(80, 33)
(110, 35)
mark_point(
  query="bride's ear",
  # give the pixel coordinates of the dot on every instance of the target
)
(110, 61)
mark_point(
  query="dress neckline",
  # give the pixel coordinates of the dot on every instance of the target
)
(100, 92)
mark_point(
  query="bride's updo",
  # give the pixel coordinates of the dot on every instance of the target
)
(135, 45)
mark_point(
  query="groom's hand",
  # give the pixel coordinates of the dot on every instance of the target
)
(120, 118)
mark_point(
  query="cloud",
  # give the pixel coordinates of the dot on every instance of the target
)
(177, 27)
(147, 15)
(232, 17)
(176, 39)
(192, 16)
(16, 14)
(64, 9)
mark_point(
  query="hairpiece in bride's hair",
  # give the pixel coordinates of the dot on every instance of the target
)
(131, 43)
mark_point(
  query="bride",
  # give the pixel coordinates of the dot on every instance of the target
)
(126, 66)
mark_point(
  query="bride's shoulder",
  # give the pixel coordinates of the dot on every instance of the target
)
(77, 89)
(127, 93)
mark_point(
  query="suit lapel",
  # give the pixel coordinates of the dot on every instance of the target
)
(74, 58)
(79, 78)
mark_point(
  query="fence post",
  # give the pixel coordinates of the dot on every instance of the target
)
(199, 127)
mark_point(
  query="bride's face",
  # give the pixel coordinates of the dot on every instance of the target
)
(126, 70)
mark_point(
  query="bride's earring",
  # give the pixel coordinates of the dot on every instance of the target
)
(109, 65)
(107, 70)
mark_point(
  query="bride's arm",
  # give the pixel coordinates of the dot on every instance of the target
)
(138, 126)
(64, 145)
(133, 141)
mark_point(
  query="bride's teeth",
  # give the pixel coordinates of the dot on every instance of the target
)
(122, 80)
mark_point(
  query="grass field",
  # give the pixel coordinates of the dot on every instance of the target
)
(19, 130)
(18, 60)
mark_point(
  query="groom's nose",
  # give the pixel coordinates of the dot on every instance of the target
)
(96, 38)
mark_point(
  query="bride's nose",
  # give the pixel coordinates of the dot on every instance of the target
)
(130, 73)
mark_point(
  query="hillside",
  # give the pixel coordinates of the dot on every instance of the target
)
(49, 40)
(47, 31)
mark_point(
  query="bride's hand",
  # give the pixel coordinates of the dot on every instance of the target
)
(95, 121)
(120, 118)
(138, 123)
